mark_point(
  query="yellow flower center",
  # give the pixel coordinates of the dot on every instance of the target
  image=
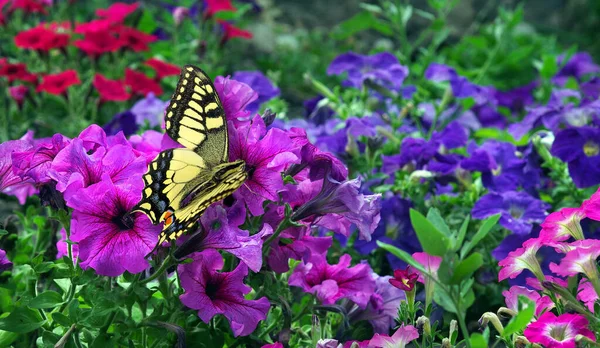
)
(590, 148)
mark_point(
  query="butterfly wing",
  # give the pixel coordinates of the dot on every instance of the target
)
(195, 117)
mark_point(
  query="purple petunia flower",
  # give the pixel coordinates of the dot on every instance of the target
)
(35, 162)
(578, 66)
(580, 148)
(259, 84)
(125, 122)
(382, 68)
(318, 162)
(315, 112)
(4, 261)
(11, 183)
(111, 240)
(330, 283)
(149, 109)
(518, 98)
(236, 97)
(212, 292)
(519, 211)
(266, 156)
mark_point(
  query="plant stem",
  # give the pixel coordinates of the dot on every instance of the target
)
(461, 320)
(163, 267)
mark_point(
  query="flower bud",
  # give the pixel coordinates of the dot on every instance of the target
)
(453, 328)
(505, 313)
(423, 325)
(493, 318)
(521, 342)
(446, 343)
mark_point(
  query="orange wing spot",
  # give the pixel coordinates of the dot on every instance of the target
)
(168, 217)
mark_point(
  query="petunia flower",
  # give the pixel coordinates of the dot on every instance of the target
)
(382, 68)
(215, 6)
(521, 259)
(579, 65)
(162, 69)
(124, 122)
(10, 182)
(260, 84)
(518, 210)
(141, 84)
(330, 283)
(266, 157)
(580, 148)
(34, 162)
(230, 31)
(110, 90)
(5, 263)
(403, 335)
(581, 258)
(98, 42)
(558, 332)
(134, 39)
(17, 72)
(235, 96)
(62, 247)
(117, 12)
(110, 239)
(327, 343)
(28, 6)
(404, 279)
(295, 243)
(563, 224)
(41, 38)
(212, 292)
(58, 84)
(511, 298)
(18, 94)
(149, 109)
(591, 206)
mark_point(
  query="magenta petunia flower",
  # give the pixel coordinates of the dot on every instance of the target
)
(295, 243)
(4, 261)
(35, 161)
(266, 157)
(330, 283)
(259, 83)
(11, 183)
(431, 264)
(236, 97)
(212, 292)
(563, 224)
(558, 332)
(399, 339)
(591, 207)
(534, 283)
(521, 259)
(511, 297)
(587, 294)
(62, 247)
(111, 241)
(581, 258)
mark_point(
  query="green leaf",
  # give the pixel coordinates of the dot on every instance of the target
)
(432, 240)
(6, 338)
(549, 66)
(523, 317)
(433, 215)
(22, 320)
(466, 268)
(481, 233)
(402, 255)
(147, 23)
(3, 232)
(61, 319)
(47, 299)
(462, 232)
(360, 22)
(478, 341)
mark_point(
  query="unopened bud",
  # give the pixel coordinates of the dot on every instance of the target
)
(505, 314)
(453, 328)
(423, 325)
(490, 317)
(446, 343)
(521, 342)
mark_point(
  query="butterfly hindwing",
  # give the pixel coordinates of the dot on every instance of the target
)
(195, 117)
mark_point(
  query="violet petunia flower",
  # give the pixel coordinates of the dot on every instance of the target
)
(260, 84)
(579, 65)
(330, 283)
(125, 122)
(382, 68)
(266, 156)
(519, 211)
(35, 162)
(212, 292)
(5, 263)
(150, 109)
(580, 148)
(10, 182)
(111, 240)
(235, 96)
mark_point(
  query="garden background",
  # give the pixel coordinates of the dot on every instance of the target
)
(418, 173)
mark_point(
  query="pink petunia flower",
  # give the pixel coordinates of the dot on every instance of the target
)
(511, 296)
(558, 332)
(431, 264)
(212, 292)
(580, 259)
(563, 224)
(399, 339)
(591, 207)
(111, 240)
(522, 259)
(333, 282)
(587, 294)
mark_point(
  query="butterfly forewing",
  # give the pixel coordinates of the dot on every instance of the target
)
(195, 117)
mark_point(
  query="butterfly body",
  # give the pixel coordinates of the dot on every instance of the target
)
(181, 183)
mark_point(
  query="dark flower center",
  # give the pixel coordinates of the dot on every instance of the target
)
(590, 148)
(212, 290)
(124, 222)
(516, 212)
(250, 170)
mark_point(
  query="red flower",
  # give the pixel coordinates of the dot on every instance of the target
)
(230, 31)
(141, 84)
(110, 90)
(163, 69)
(94, 26)
(404, 279)
(17, 71)
(214, 6)
(57, 84)
(117, 12)
(41, 38)
(28, 6)
(97, 43)
(134, 39)
(18, 93)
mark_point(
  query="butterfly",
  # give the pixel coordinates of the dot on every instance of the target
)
(181, 183)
